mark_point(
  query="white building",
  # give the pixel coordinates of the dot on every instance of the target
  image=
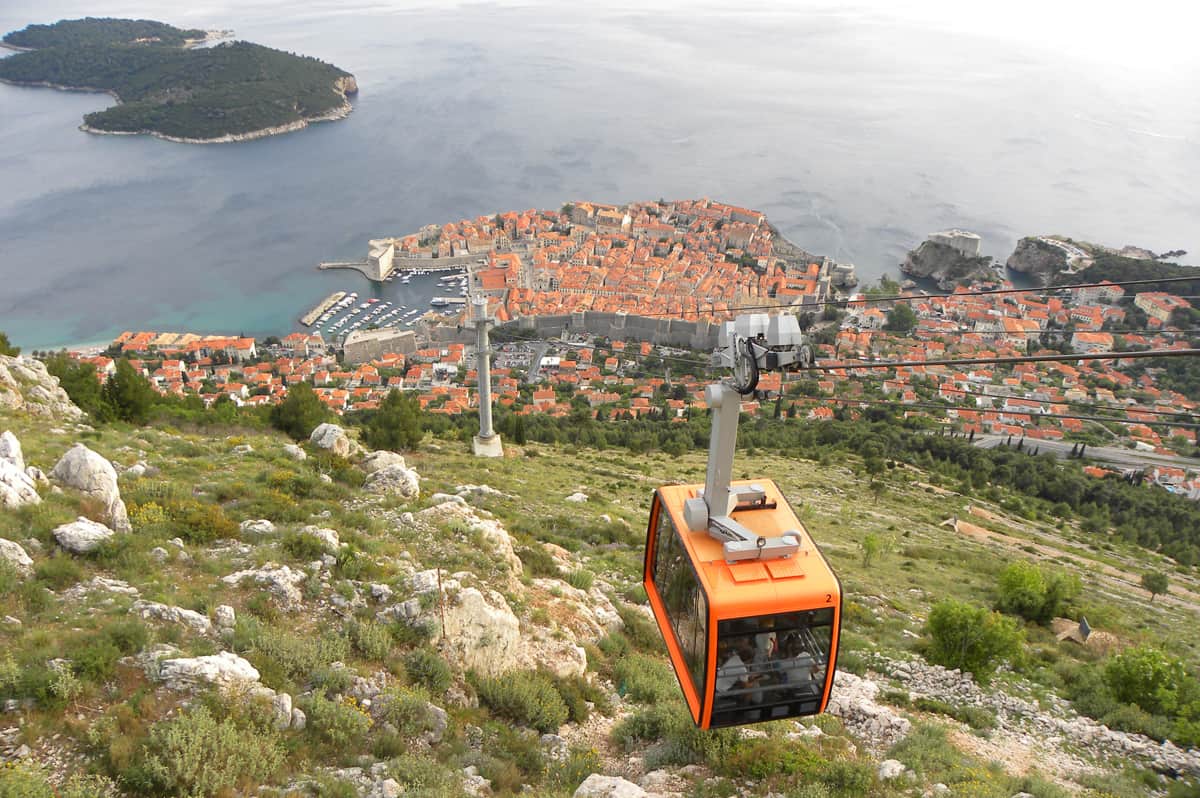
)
(960, 240)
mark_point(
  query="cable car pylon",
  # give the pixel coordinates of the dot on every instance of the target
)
(747, 604)
(487, 442)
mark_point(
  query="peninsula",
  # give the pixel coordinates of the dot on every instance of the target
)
(167, 87)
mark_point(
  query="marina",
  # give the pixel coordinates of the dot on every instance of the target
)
(399, 302)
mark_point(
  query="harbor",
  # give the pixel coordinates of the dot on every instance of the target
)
(402, 301)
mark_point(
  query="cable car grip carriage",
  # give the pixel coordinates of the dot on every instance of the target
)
(748, 606)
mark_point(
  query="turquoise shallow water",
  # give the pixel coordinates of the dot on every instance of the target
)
(858, 134)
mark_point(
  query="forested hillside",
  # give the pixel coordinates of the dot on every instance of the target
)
(231, 89)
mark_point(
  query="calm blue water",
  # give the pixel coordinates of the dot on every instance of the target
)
(857, 133)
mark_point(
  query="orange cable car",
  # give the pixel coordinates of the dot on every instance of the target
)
(747, 604)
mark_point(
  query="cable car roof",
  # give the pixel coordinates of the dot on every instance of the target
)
(756, 587)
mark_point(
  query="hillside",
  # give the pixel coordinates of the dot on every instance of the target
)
(1113, 267)
(333, 622)
(229, 91)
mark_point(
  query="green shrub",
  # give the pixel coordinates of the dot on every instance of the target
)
(10, 580)
(342, 724)
(1147, 677)
(528, 698)
(303, 547)
(58, 571)
(641, 631)
(371, 639)
(423, 776)
(537, 561)
(971, 638)
(644, 679)
(96, 659)
(576, 693)
(429, 670)
(514, 758)
(194, 754)
(197, 522)
(847, 778)
(581, 579)
(975, 717)
(129, 635)
(1034, 594)
(765, 758)
(282, 653)
(407, 710)
(644, 725)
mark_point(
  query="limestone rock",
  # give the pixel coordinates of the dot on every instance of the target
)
(382, 459)
(280, 580)
(299, 719)
(159, 555)
(477, 490)
(17, 486)
(26, 385)
(597, 786)
(332, 438)
(327, 537)
(853, 700)
(578, 498)
(15, 556)
(165, 612)
(10, 450)
(223, 670)
(84, 470)
(482, 633)
(281, 708)
(395, 479)
(890, 769)
(446, 498)
(243, 448)
(295, 452)
(495, 537)
(259, 526)
(225, 617)
(81, 535)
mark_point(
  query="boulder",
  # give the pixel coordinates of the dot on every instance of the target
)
(243, 448)
(18, 486)
(280, 580)
(84, 470)
(81, 535)
(15, 556)
(396, 480)
(299, 719)
(281, 708)
(135, 471)
(26, 385)
(159, 554)
(890, 769)
(577, 498)
(223, 670)
(10, 450)
(295, 452)
(225, 617)
(260, 526)
(326, 537)
(382, 459)
(853, 700)
(482, 633)
(165, 612)
(332, 438)
(597, 786)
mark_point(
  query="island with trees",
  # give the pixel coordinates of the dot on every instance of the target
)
(168, 87)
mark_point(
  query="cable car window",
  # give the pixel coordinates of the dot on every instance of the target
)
(771, 666)
(682, 597)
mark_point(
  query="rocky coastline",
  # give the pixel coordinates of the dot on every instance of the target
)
(344, 86)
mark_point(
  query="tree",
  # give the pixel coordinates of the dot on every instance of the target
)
(396, 425)
(1147, 677)
(971, 638)
(901, 319)
(300, 411)
(7, 348)
(1155, 582)
(81, 384)
(871, 546)
(128, 394)
(1026, 590)
(878, 488)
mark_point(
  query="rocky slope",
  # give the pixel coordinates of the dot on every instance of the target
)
(1039, 260)
(356, 623)
(946, 266)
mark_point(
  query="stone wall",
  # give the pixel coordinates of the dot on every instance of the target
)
(363, 346)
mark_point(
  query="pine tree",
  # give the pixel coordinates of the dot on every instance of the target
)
(300, 412)
(129, 394)
(396, 425)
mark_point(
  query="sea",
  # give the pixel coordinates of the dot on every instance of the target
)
(857, 128)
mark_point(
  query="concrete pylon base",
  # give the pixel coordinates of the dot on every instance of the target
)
(487, 447)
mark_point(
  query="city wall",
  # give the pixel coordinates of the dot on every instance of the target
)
(700, 336)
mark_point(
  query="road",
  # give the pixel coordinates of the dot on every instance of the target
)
(1107, 455)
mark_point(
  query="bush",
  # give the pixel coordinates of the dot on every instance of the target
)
(528, 698)
(644, 679)
(1026, 590)
(371, 639)
(197, 522)
(303, 547)
(429, 670)
(300, 412)
(765, 758)
(343, 724)
(422, 776)
(195, 754)
(581, 579)
(278, 652)
(537, 561)
(58, 571)
(971, 639)
(396, 425)
(1146, 677)
(407, 710)
(576, 692)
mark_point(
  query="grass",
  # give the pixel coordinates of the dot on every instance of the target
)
(206, 489)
